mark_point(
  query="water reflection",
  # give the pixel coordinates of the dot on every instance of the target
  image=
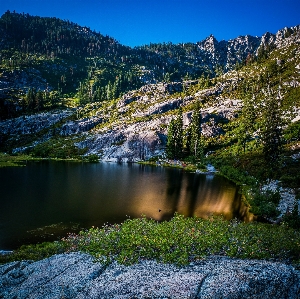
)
(42, 194)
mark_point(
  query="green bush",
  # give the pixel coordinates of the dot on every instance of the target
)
(183, 240)
(60, 148)
(93, 158)
(237, 175)
(34, 252)
(291, 180)
(179, 241)
(265, 203)
(293, 131)
(292, 219)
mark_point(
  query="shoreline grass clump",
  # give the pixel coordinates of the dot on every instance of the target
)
(179, 241)
(14, 161)
(183, 240)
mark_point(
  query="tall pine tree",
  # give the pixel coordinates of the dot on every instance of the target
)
(195, 143)
(175, 137)
(272, 129)
(247, 122)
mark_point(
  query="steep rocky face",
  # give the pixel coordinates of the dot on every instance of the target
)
(21, 80)
(228, 53)
(128, 143)
(33, 123)
(139, 130)
(76, 275)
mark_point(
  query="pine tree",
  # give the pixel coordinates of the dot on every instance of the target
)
(247, 122)
(39, 100)
(83, 93)
(195, 144)
(30, 99)
(54, 98)
(170, 149)
(272, 130)
(109, 91)
(175, 137)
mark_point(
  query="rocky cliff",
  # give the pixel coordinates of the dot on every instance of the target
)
(134, 128)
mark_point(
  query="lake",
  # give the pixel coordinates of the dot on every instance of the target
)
(45, 200)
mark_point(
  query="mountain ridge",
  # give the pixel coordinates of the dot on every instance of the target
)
(60, 42)
(122, 109)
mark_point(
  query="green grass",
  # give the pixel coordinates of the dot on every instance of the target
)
(180, 241)
(21, 160)
(58, 147)
(11, 161)
(34, 252)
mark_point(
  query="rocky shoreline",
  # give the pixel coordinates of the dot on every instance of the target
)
(77, 275)
(287, 197)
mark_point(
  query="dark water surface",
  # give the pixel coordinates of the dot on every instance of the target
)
(45, 200)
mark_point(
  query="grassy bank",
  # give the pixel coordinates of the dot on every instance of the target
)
(11, 161)
(180, 240)
(21, 160)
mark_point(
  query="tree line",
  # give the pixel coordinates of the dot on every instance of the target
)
(185, 142)
(266, 121)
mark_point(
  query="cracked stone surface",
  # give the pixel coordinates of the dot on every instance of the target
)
(77, 275)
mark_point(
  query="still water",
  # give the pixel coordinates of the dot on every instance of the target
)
(45, 200)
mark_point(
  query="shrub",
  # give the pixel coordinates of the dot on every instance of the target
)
(293, 219)
(93, 158)
(182, 240)
(179, 241)
(265, 203)
(34, 252)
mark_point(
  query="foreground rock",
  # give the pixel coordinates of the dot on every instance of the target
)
(76, 275)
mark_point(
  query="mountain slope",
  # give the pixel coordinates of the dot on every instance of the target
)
(72, 65)
(114, 119)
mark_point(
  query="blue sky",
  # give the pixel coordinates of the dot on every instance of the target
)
(139, 22)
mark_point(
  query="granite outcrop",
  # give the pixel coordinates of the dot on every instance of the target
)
(77, 275)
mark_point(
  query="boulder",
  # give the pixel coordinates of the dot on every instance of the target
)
(77, 275)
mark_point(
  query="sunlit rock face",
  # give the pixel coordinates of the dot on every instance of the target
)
(77, 276)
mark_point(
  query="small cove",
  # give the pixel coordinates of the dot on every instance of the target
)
(45, 200)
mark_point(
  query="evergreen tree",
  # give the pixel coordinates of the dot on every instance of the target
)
(262, 53)
(109, 91)
(247, 122)
(54, 98)
(195, 143)
(30, 99)
(83, 93)
(167, 77)
(175, 137)
(39, 100)
(272, 130)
